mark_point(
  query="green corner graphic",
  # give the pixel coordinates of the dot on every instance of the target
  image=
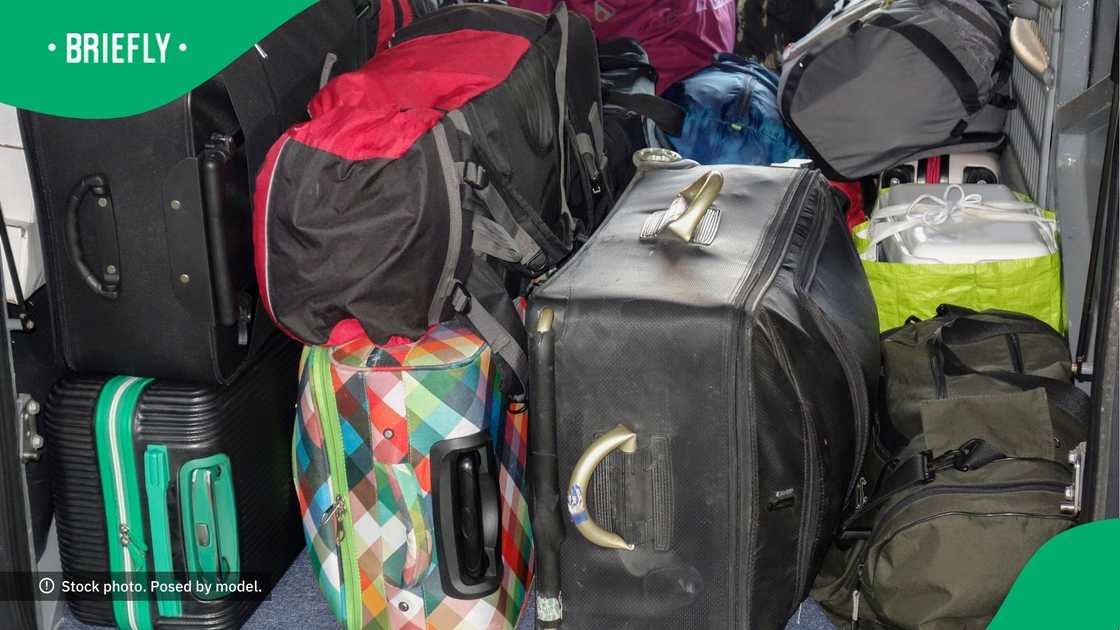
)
(1071, 582)
(109, 59)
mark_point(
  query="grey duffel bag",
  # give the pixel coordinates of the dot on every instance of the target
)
(879, 83)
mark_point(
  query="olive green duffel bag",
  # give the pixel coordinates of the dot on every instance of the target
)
(968, 475)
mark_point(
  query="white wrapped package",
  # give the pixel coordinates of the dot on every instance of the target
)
(948, 224)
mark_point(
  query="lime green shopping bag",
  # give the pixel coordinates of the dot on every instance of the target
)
(1030, 285)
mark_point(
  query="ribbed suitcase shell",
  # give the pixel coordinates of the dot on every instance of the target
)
(249, 420)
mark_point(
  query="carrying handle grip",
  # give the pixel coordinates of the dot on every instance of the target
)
(209, 521)
(617, 438)
(699, 196)
(466, 531)
(109, 284)
(1025, 41)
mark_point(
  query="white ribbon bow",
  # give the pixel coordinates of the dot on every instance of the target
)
(931, 211)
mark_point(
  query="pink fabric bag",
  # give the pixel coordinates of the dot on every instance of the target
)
(681, 36)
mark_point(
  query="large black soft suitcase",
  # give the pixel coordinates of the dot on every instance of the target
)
(146, 218)
(718, 389)
(177, 483)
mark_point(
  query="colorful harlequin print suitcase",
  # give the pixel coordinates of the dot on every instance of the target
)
(409, 465)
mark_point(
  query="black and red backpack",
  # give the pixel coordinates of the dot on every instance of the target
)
(462, 159)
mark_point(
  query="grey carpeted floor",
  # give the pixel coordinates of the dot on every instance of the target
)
(296, 604)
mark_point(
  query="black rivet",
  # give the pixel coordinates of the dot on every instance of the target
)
(403, 606)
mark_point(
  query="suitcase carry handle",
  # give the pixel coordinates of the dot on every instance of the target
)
(619, 438)
(1025, 42)
(108, 285)
(699, 195)
(467, 515)
(220, 152)
(209, 515)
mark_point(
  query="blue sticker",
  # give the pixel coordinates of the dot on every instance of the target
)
(575, 499)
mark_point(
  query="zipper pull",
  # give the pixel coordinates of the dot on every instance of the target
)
(333, 514)
(861, 492)
(135, 547)
(855, 609)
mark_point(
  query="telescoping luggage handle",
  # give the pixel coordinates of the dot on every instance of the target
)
(107, 285)
(619, 438)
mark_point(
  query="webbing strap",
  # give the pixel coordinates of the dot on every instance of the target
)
(941, 56)
(491, 239)
(562, 18)
(1064, 396)
(598, 134)
(917, 470)
(666, 114)
(328, 68)
(530, 253)
(501, 341)
(455, 227)
(459, 120)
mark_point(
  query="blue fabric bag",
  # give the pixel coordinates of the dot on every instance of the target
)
(731, 115)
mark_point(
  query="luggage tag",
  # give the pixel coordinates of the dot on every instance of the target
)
(691, 216)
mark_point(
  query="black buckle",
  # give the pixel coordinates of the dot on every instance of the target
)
(929, 470)
(475, 175)
(969, 456)
(460, 299)
(538, 264)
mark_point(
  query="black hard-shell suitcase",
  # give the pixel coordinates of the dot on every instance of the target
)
(145, 218)
(210, 476)
(717, 388)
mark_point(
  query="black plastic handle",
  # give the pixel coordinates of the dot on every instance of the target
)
(217, 157)
(467, 515)
(108, 285)
(477, 512)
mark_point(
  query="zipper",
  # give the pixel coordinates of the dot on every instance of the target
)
(753, 285)
(120, 486)
(1016, 353)
(336, 464)
(937, 370)
(855, 608)
(857, 386)
(807, 536)
(333, 515)
(857, 389)
(157, 477)
(861, 493)
(995, 488)
(743, 108)
(862, 580)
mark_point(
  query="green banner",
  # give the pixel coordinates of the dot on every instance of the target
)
(1071, 582)
(114, 58)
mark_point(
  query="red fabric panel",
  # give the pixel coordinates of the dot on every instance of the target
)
(348, 330)
(345, 330)
(854, 192)
(933, 169)
(380, 110)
